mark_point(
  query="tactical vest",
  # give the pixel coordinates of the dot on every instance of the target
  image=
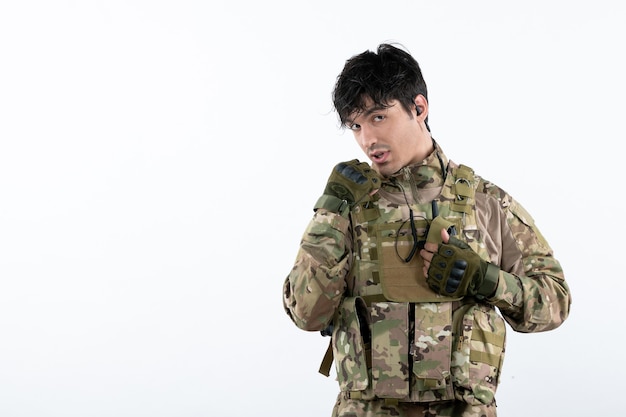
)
(394, 338)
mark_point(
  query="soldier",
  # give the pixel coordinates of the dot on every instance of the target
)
(406, 260)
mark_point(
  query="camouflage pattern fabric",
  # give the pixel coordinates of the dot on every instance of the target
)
(350, 350)
(431, 350)
(419, 357)
(477, 361)
(380, 408)
(316, 285)
(390, 351)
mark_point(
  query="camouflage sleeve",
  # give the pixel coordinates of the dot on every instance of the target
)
(314, 287)
(532, 293)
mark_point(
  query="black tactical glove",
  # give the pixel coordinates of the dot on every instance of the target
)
(349, 183)
(456, 271)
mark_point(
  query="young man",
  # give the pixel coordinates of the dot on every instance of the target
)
(405, 261)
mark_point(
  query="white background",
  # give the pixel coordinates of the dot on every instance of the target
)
(159, 161)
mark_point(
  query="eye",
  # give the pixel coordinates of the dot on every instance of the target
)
(353, 126)
(379, 118)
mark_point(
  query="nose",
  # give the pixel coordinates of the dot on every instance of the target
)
(366, 137)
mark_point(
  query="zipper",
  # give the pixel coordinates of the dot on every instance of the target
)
(408, 177)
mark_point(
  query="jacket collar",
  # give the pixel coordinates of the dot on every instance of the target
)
(425, 174)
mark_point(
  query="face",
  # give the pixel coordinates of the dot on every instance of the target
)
(390, 137)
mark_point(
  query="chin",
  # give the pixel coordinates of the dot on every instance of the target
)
(385, 168)
(385, 172)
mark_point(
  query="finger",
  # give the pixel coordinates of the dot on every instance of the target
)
(431, 247)
(452, 286)
(426, 255)
(445, 236)
(456, 274)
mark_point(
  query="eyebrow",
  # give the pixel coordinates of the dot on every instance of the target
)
(374, 109)
(367, 112)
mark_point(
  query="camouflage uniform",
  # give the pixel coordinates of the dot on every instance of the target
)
(401, 354)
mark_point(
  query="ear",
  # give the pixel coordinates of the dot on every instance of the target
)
(421, 106)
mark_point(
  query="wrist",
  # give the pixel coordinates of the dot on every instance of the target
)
(490, 282)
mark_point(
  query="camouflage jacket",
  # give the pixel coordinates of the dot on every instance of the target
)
(428, 349)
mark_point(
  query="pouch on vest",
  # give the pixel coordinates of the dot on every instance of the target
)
(349, 349)
(432, 351)
(477, 360)
(390, 350)
(403, 281)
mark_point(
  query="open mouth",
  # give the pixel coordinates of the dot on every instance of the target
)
(379, 156)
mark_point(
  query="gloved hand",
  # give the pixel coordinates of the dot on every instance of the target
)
(349, 183)
(456, 271)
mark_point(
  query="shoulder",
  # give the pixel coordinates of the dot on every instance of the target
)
(492, 191)
(496, 195)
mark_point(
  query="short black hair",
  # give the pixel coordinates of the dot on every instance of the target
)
(390, 73)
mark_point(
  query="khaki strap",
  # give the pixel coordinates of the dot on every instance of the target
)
(378, 298)
(431, 383)
(484, 357)
(488, 337)
(327, 360)
(463, 189)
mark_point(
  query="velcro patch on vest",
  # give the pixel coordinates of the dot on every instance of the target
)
(402, 280)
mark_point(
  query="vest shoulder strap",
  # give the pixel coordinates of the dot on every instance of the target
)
(463, 188)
